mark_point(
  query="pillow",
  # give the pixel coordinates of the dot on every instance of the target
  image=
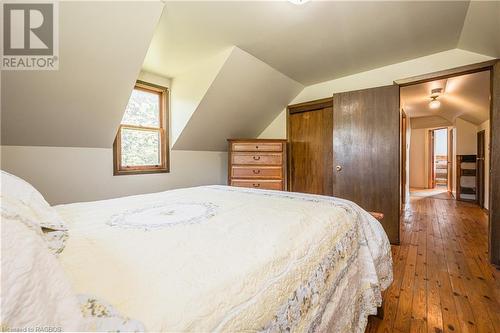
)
(21, 193)
(35, 292)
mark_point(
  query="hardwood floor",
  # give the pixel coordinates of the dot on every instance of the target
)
(442, 279)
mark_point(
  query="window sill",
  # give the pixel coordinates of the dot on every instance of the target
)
(139, 172)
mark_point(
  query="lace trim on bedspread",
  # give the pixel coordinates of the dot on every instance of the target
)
(56, 240)
(103, 317)
(307, 295)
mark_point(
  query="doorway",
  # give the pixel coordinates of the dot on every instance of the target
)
(439, 158)
(446, 117)
(470, 176)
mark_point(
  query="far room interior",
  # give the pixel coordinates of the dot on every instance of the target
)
(448, 137)
(250, 166)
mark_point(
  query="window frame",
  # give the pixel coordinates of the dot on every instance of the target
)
(164, 150)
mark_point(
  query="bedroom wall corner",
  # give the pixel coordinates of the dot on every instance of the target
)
(276, 129)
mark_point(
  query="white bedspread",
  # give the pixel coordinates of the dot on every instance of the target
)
(219, 258)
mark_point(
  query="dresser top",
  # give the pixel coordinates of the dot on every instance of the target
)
(256, 140)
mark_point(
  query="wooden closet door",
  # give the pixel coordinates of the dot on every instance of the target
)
(366, 152)
(310, 139)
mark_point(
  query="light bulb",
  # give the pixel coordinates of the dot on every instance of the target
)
(298, 2)
(434, 104)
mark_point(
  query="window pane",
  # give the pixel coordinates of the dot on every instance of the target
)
(143, 109)
(140, 148)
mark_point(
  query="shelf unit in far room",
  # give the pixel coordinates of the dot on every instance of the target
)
(466, 178)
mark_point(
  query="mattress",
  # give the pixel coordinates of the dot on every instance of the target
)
(225, 259)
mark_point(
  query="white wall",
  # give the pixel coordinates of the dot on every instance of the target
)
(155, 79)
(466, 136)
(276, 129)
(189, 88)
(67, 174)
(242, 100)
(486, 127)
(418, 160)
(464, 143)
(375, 78)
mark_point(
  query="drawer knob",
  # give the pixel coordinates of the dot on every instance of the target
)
(256, 147)
(256, 185)
(256, 172)
(256, 158)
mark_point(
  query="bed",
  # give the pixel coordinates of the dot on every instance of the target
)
(224, 259)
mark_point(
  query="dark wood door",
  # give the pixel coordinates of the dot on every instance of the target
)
(494, 201)
(480, 168)
(366, 150)
(403, 133)
(310, 143)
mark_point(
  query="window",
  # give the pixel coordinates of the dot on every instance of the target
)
(141, 144)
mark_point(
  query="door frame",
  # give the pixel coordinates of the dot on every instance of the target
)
(450, 152)
(404, 156)
(493, 224)
(431, 172)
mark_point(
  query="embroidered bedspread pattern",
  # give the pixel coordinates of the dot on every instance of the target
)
(223, 259)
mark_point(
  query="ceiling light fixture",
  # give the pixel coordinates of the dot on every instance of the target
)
(434, 103)
(298, 2)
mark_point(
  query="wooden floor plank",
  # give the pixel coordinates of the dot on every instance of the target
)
(443, 281)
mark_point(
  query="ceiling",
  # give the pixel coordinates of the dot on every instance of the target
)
(280, 48)
(235, 105)
(320, 40)
(466, 96)
(80, 104)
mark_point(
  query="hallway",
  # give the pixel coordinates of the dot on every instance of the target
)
(442, 279)
(435, 193)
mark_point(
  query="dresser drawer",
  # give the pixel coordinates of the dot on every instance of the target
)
(257, 146)
(273, 172)
(261, 184)
(257, 158)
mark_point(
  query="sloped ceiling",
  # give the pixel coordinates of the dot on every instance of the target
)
(279, 48)
(189, 88)
(465, 96)
(481, 31)
(429, 122)
(244, 98)
(317, 41)
(102, 49)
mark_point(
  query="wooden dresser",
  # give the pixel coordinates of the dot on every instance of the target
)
(257, 163)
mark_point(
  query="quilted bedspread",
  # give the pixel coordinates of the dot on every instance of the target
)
(217, 258)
